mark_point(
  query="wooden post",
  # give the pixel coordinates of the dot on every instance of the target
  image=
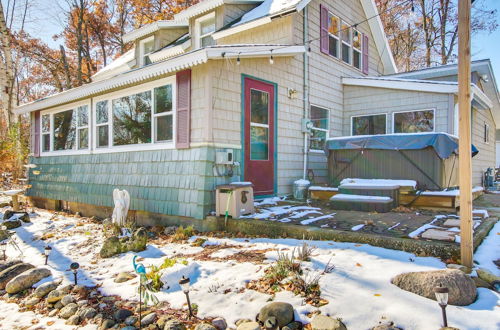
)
(464, 144)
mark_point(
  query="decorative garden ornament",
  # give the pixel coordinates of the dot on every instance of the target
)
(121, 199)
(145, 288)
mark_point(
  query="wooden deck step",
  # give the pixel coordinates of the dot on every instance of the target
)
(365, 203)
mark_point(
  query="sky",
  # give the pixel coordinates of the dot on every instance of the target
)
(46, 18)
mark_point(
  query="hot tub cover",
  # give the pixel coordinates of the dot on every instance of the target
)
(444, 144)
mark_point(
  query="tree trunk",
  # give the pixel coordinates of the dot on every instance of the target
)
(7, 72)
(66, 67)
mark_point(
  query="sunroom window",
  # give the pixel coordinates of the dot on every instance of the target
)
(102, 124)
(46, 133)
(320, 118)
(369, 125)
(163, 114)
(132, 119)
(414, 121)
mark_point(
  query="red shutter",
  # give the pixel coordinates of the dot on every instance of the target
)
(366, 58)
(183, 109)
(323, 29)
(36, 133)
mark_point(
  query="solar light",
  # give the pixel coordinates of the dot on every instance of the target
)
(3, 248)
(442, 299)
(46, 253)
(74, 267)
(185, 284)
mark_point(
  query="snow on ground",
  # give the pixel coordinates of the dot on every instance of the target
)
(358, 290)
(489, 251)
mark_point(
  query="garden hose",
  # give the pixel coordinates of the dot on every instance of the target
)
(227, 209)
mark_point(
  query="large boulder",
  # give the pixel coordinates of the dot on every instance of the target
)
(69, 310)
(462, 288)
(8, 274)
(54, 296)
(7, 264)
(115, 245)
(112, 246)
(323, 322)
(46, 288)
(23, 216)
(12, 224)
(26, 280)
(280, 312)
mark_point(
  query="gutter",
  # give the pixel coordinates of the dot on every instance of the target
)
(306, 86)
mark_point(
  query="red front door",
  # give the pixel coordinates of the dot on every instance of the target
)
(259, 136)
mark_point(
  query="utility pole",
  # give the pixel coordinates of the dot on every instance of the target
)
(464, 141)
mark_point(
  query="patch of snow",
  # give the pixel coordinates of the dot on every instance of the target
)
(357, 227)
(223, 253)
(484, 213)
(302, 182)
(243, 183)
(269, 201)
(392, 227)
(299, 215)
(311, 220)
(423, 228)
(379, 182)
(359, 197)
(278, 211)
(489, 250)
(268, 7)
(454, 192)
(320, 188)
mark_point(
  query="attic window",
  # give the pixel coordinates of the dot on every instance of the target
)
(206, 27)
(146, 48)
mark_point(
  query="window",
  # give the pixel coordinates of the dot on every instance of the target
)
(369, 125)
(65, 130)
(333, 35)
(356, 48)
(259, 125)
(413, 121)
(320, 118)
(146, 48)
(486, 133)
(144, 117)
(345, 34)
(206, 27)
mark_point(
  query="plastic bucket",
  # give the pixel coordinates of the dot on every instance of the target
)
(300, 188)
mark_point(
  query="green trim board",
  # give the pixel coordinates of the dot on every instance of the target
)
(242, 107)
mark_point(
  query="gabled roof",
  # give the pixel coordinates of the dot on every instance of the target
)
(270, 9)
(207, 5)
(123, 63)
(156, 70)
(176, 47)
(153, 27)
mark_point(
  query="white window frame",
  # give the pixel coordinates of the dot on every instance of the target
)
(486, 136)
(142, 54)
(253, 124)
(97, 125)
(197, 25)
(406, 111)
(360, 49)
(339, 43)
(342, 42)
(327, 130)
(51, 112)
(368, 115)
(78, 128)
(153, 145)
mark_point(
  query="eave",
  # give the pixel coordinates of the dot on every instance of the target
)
(208, 5)
(153, 27)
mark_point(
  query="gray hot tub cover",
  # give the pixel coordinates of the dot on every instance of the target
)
(443, 143)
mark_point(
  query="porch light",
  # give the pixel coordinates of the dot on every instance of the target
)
(271, 59)
(184, 282)
(3, 248)
(442, 299)
(46, 252)
(74, 268)
(238, 61)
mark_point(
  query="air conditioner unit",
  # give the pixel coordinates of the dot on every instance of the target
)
(224, 157)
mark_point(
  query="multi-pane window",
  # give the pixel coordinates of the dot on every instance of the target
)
(206, 29)
(132, 119)
(320, 119)
(345, 35)
(356, 48)
(102, 124)
(369, 125)
(163, 114)
(65, 130)
(413, 121)
(333, 35)
(146, 48)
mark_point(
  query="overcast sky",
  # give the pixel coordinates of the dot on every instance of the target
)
(45, 18)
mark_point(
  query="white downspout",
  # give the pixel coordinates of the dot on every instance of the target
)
(306, 84)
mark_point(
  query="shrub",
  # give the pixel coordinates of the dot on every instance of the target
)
(284, 267)
(305, 251)
(199, 241)
(182, 234)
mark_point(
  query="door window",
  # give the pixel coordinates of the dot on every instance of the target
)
(259, 125)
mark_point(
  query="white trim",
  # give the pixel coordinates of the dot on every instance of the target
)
(215, 144)
(419, 110)
(368, 115)
(153, 27)
(197, 28)
(241, 27)
(207, 5)
(170, 52)
(327, 130)
(142, 54)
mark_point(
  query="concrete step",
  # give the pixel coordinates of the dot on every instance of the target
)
(365, 203)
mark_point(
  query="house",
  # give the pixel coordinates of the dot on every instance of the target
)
(229, 90)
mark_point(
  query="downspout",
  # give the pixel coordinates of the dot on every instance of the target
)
(306, 84)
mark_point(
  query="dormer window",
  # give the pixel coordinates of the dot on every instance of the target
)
(147, 46)
(205, 28)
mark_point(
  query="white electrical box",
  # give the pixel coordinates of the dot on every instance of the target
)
(224, 157)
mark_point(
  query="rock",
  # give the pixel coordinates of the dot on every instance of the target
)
(124, 277)
(283, 312)
(148, 319)
(386, 326)
(487, 276)
(86, 313)
(9, 273)
(67, 299)
(26, 279)
(462, 288)
(54, 296)
(220, 323)
(293, 326)
(12, 224)
(58, 305)
(112, 246)
(462, 268)
(53, 312)
(46, 288)
(130, 320)
(204, 326)
(323, 322)
(162, 320)
(69, 310)
(174, 325)
(248, 326)
(128, 327)
(122, 314)
(82, 302)
(240, 321)
(106, 324)
(170, 230)
(7, 264)
(31, 302)
(480, 283)
(73, 320)
(66, 289)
